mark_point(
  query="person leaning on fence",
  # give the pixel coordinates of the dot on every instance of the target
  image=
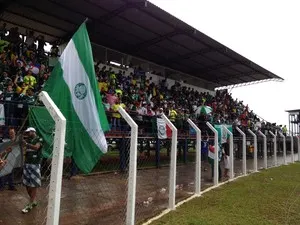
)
(31, 172)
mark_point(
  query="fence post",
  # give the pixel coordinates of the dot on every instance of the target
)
(216, 155)
(298, 144)
(57, 159)
(157, 153)
(265, 149)
(255, 150)
(284, 148)
(172, 182)
(275, 146)
(185, 150)
(230, 152)
(292, 148)
(198, 157)
(244, 150)
(131, 192)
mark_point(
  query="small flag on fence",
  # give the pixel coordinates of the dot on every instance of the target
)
(163, 130)
(222, 132)
(211, 154)
(2, 115)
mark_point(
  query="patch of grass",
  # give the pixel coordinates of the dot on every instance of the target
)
(269, 197)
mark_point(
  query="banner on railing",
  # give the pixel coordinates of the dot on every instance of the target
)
(222, 132)
(11, 157)
(2, 115)
(163, 130)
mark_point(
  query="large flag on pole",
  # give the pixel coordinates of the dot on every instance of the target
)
(73, 87)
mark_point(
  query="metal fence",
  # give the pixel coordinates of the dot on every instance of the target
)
(139, 178)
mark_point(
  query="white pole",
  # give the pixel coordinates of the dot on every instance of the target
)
(244, 150)
(298, 143)
(292, 148)
(255, 150)
(265, 149)
(216, 155)
(172, 181)
(131, 192)
(230, 152)
(198, 157)
(284, 148)
(275, 147)
(57, 159)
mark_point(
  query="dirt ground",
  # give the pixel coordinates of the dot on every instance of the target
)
(101, 199)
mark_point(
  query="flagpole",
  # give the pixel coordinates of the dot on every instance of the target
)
(86, 19)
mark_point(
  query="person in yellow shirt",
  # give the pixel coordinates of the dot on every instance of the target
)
(119, 92)
(103, 86)
(116, 116)
(30, 80)
(21, 88)
(172, 114)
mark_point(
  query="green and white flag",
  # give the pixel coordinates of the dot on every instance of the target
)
(73, 87)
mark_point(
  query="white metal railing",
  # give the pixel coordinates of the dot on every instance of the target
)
(264, 149)
(275, 147)
(292, 148)
(255, 150)
(198, 157)
(53, 209)
(298, 144)
(244, 150)
(172, 181)
(284, 148)
(231, 170)
(131, 192)
(216, 155)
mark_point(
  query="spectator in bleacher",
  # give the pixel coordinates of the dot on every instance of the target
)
(30, 40)
(41, 44)
(30, 80)
(172, 114)
(9, 96)
(116, 116)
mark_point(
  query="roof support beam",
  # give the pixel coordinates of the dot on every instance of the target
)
(48, 13)
(151, 42)
(189, 33)
(238, 76)
(34, 20)
(114, 13)
(191, 54)
(30, 28)
(216, 67)
(4, 4)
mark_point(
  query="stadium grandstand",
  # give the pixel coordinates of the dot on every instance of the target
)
(148, 62)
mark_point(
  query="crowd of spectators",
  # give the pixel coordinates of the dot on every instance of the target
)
(23, 72)
(24, 69)
(143, 98)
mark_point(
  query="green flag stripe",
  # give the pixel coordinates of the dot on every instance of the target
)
(82, 43)
(85, 152)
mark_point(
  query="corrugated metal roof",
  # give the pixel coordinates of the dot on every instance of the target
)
(141, 30)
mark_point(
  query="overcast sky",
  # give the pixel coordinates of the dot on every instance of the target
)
(264, 31)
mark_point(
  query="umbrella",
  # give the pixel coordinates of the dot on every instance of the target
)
(13, 160)
(203, 109)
